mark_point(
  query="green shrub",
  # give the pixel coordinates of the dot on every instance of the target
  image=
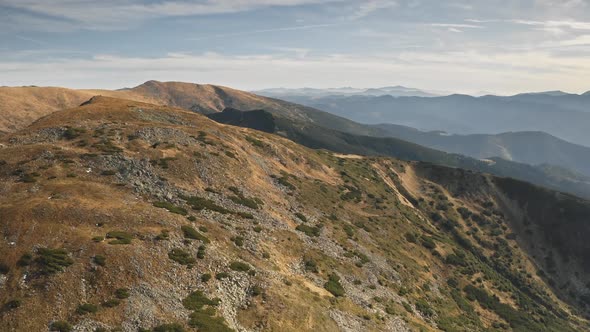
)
(191, 233)
(4, 268)
(284, 181)
(108, 172)
(98, 239)
(199, 203)
(301, 216)
(203, 229)
(245, 201)
(111, 303)
(464, 212)
(408, 307)
(348, 230)
(60, 326)
(221, 275)
(28, 178)
(86, 308)
(73, 133)
(25, 260)
(197, 300)
(171, 208)
(182, 257)
(333, 285)
(256, 290)
(206, 277)
(205, 321)
(52, 260)
(191, 218)
(122, 293)
(308, 230)
(257, 229)
(256, 142)
(424, 307)
(174, 327)
(164, 235)
(99, 260)
(201, 252)
(12, 304)
(428, 242)
(239, 266)
(120, 237)
(238, 240)
(411, 237)
(245, 215)
(310, 265)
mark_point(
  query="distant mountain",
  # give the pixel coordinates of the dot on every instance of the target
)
(396, 91)
(532, 147)
(566, 116)
(555, 93)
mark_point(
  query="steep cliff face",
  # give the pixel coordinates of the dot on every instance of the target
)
(120, 214)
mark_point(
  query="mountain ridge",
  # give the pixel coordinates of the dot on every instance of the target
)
(125, 215)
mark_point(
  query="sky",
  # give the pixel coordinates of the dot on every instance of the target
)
(496, 46)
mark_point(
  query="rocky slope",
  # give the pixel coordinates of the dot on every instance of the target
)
(124, 215)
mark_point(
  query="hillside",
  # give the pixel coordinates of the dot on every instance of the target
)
(120, 214)
(318, 137)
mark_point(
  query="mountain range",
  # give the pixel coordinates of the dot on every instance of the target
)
(125, 215)
(562, 115)
(305, 125)
(396, 91)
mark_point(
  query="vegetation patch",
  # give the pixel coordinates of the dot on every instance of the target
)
(182, 257)
(122, 293)
(239, 266)
(191, 233)
(221, 275)
(86, 308)
(333, 285)
(119, 237)
(51, 261)
(199, 203)
(201, 252)
(174, 327)
(239, 198)
(197, 300)
(309, 230)
(60, 326)
(99, 260)
(171, 208)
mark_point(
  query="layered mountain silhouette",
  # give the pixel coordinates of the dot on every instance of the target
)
(303, 124)
(562, 115)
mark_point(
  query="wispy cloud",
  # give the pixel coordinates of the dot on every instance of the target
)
(456, 25)
(254, 32)
(368, 7)
(114, 14)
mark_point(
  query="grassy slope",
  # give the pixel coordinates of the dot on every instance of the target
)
(66, 186)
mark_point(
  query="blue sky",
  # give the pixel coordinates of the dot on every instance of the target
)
(461, 46)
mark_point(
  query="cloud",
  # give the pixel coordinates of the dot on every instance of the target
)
(456, 26)
(116, 14)
(253, 32)
(368, 7)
